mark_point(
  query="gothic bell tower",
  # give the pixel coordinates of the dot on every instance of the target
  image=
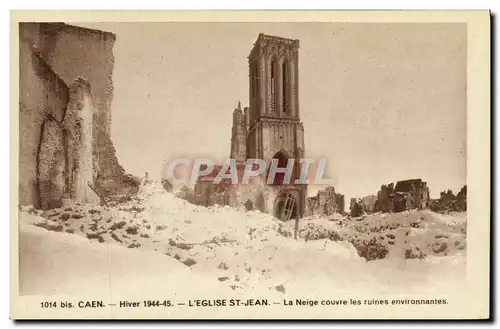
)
(274, 117)
(274, 126)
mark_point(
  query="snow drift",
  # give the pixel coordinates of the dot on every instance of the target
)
(241, 252)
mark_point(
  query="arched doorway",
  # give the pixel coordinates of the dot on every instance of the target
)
(285, 207)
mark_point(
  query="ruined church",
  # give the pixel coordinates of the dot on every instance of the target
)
(269, 128)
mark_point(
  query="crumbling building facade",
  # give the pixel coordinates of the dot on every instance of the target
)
(406, 195)
(449, 202)
(65, 92)
(326, 202)
(368, 203)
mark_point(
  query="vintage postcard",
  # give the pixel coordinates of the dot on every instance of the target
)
(250, 165)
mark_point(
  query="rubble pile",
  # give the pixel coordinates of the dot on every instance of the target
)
(248, 250)
(411, 234)
(449, 202)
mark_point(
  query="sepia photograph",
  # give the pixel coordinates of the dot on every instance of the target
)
(247, 168)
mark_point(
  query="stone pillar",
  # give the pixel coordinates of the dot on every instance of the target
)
(262, 87)
(266, 139)
(259, 142)
(291, 86)
(268, 85)
(51, 164)
(299, 138)
(79, 124)
(251, 92)
(279, 87)
(296, 82)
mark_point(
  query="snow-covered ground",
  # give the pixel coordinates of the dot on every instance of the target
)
(163, 242)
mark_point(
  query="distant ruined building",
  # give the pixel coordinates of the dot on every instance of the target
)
(326, 202)
(270, 128)
(356, 208)
(450, 202)
(406, 195)
(369, 203)
(65, 93)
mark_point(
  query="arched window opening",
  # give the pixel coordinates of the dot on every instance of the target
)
(282, 163)
(285, 78)
(274, 74)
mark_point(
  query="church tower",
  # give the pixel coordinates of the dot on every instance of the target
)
(238, 135)
(274, 126)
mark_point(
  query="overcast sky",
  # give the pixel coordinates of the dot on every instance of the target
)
(382, 102)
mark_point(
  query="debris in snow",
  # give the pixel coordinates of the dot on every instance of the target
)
(161, 227)
(65, 216)
(439, 247)
(280, 288)
(223, 266)
(370, 249)
(30, 210)
(131, 230)
(117, 239)
(93, 235)
(118, 225)
(189, 262)
(50, 226)
(253, 247)
(181, 245)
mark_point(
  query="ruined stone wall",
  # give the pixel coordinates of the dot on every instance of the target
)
(326, 202)
(42, 102)
(55, 142)
(78, 125)
(449, 202)
(384, 198)
(396, 199)
(78, 53)
(340, 203)
(277, 136)
(369, 203)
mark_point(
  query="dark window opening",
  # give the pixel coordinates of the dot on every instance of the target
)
(285, 86)
(274, 74)
(282, 163)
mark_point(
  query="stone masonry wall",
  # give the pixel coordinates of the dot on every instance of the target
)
(79, 126)
(42, 102)
(64, 116)
(79, 53)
